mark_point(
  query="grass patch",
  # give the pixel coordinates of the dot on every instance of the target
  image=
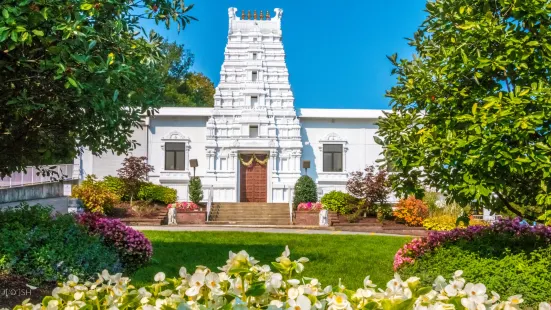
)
(350, 257)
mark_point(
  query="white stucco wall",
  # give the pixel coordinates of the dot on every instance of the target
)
(356, 135)
(108, 163)
(194, 132)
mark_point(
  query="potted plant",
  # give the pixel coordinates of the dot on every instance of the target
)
(188, 213)
(307, 213)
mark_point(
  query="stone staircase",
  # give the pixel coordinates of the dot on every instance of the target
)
(159, 218)
(249, 213)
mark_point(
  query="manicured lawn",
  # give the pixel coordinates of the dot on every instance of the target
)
(331, 256)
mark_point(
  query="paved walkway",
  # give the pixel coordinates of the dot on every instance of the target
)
(279, 230)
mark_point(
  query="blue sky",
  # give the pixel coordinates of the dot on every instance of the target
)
(335, 49)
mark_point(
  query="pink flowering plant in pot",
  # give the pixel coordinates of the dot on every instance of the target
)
(310, 206)
(184, 206)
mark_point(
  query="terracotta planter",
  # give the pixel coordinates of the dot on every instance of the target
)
(307, 218)
(193, 217)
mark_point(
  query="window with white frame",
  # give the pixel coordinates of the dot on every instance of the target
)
(255, 55)
(254, 76)
(253, 131)
(254, 101)
(332, 157)
(175, 156)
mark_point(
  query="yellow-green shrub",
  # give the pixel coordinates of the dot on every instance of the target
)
(447, 222)
(95, 195)
(442, 222)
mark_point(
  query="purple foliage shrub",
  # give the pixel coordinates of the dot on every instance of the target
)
(133, 248)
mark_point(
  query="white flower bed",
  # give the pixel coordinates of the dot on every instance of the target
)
(243, 284)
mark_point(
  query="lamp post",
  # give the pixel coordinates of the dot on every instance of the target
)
(306, 165)
(193, 163)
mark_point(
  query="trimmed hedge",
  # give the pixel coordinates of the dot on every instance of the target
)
(305, 191)
(509, 274)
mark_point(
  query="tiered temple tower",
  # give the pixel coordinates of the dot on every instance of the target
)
(254, 113)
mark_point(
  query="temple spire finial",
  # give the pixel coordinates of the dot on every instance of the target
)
(255, 16)
(249, 14)
(242, 14)
(268, 15)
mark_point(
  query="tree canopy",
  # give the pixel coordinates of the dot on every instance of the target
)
(77, 73)
(471, 111)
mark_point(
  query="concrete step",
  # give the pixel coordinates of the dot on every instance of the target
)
(250, 218)
(251, 222)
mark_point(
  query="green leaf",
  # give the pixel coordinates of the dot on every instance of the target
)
(533, 43)
(256, 289)
(92, 44)
(475, 106)
(5, 13)
(115, 95)
(14, 36)
(86, 6)
(72, 81)
(378, 140)
(39, 33)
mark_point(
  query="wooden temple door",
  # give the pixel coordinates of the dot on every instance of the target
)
(253, 178)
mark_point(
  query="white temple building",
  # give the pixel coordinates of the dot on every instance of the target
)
(251, 146)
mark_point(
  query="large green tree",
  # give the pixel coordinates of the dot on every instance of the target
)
(471, 111)
(77, 73)
(182, 87)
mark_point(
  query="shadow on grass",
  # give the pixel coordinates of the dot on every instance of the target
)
(331, 257)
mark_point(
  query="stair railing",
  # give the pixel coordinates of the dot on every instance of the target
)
(209, 202)
(290, 206)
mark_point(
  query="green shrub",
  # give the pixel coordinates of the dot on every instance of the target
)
(158, 193)
(41, 248)
(116, 185)
(195, 190)
(338, 201)
(510, 274)
(305, 191)
(95, 195)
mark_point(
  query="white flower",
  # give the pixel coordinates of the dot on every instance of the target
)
(213, 283)
(237, 285)
(338, 301)
(293, 282)
(476, 292)
(274, 282)
(451, 290)
(495, 298)
(544, 306)
(159, 277)
(439, 283)
(368, 283)
(470, 304)
(275, 305)
(183, 272)
(516, 299)
(301, 303)
(293, 293)
(394, 286)
(196, 283)
(364, 293)
(458, 273)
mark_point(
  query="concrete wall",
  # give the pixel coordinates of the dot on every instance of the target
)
(30, 192)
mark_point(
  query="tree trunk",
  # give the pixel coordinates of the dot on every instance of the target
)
(512, 209)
